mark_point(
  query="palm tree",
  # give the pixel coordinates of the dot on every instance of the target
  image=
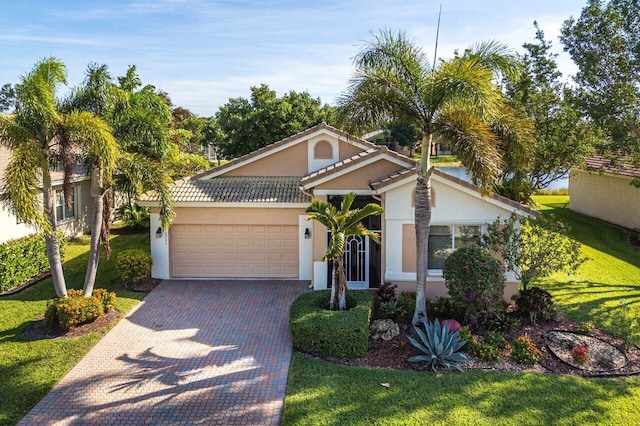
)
(41, 136)
(140, 122)
(455, 100)
(341, 223)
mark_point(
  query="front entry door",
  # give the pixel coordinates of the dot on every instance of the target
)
(356, 262)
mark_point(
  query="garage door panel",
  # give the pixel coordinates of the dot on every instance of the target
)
(234, 251)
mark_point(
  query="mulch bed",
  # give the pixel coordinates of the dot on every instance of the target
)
(38, 330)
(145, 286)
(393, 354)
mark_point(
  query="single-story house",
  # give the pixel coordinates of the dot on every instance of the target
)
(71, 221)
(246, 219)
(604, 191)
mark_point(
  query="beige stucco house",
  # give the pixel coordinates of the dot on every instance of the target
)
(605, 192)
(71, 221)
(246, 219)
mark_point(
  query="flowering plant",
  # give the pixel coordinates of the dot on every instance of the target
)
(580, 354)
(475, 281)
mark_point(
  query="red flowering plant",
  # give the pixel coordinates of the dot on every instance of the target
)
(580, 354)
(475, 281)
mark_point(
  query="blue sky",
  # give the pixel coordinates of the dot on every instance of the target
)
(204, 52)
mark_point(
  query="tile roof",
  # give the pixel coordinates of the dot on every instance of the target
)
(237, 189)
(278, 144)
(623, 166)
(373, 152)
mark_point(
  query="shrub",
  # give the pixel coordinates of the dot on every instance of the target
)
(486, 352)
(444, 308)
(107, 298)
(133, 216)
(501, 322)
(340, 334)
(580, 354)
(67, 313)
(524, 351)
(534, 303)
(389, 308)
(133, 265)
(439, 345)
(496, 340)
(386, 292)
(475, 280)
(406, 305)
(24, 258)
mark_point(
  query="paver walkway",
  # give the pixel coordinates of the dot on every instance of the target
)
(193, 352)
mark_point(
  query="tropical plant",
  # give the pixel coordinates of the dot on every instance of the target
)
(133, 216)
(533, 248)
(41, 136)
(474, 279)
(341, 224)
(534, 303)
(456, 100)
(439, 346)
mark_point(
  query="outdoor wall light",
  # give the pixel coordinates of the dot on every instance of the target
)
(159, 233)
(307, 233)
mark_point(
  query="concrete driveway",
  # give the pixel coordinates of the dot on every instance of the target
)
(193, 352)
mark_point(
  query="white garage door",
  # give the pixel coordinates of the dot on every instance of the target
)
(234, 251)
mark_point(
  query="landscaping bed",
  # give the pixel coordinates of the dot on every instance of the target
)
(38, 330)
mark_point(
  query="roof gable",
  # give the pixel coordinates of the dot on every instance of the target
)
(273, 149)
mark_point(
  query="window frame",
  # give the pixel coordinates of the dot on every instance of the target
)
(74, 205)
(452, 227)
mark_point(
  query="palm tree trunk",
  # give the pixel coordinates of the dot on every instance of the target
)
(96, 229)
(342, 286)
(422, 203)
(51, 240)
(333, 301)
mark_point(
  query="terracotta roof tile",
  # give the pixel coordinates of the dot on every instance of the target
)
(623, 166)
(237, 189)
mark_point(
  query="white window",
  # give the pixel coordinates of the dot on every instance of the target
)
(444, 239)
(64, 212)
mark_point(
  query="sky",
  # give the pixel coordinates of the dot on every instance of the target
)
(205, 52)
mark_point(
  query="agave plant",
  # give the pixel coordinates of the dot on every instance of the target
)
(439, 345)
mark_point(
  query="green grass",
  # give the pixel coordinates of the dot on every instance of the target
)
(29, 369)
(322, 393)
(442, 160)
(611, 274)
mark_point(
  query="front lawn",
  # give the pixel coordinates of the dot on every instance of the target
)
(29, 369)
(322, 393)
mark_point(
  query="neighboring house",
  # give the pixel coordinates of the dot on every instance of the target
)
(72, 221)
(603, 191)
(246, 219)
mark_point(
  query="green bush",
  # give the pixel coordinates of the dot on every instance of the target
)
(524, 351)
(534, 303)
(133, 265)
(72, 311)
(107, 298)
(23, 259)
(475, 281)
(340, 334)
(406, 305)
(445, 309)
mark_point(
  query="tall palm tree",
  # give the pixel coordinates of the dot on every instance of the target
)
(341, 223)
(455, 100)
(41, 136)
(140, 122)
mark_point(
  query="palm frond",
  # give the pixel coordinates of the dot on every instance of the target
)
(474, 143)
(21, 194)
(497, 57)
(516, 135)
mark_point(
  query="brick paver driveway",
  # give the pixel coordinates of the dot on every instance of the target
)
(193, 352)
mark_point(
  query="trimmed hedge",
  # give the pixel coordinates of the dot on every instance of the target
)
(24, 258)
(340, 334)
(134, 265)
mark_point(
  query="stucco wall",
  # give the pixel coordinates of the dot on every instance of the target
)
(359, 178)
(437, 288)
(606, 197)
(288, 162)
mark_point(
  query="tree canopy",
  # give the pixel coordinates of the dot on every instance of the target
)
(605, 44)
(246, 125)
